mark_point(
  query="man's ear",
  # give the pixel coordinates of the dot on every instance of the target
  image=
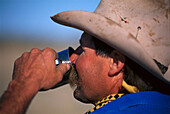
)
(117, 62)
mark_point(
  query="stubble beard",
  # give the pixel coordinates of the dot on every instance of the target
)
(76, 85)
(74, 82)
(73, 78)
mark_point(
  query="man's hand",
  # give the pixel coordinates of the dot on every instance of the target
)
(39, 67)
(33, 71)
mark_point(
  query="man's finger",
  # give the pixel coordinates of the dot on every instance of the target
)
(63, 68)
(35, 50)
(50, 53)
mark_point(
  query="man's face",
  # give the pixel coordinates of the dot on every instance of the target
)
(93, 80)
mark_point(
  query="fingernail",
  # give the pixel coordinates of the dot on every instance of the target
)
(68, 66)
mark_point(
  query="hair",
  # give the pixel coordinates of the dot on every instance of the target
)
(134, 74)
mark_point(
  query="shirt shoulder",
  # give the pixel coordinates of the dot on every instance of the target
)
(138, 103)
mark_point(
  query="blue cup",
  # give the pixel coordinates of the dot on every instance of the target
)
(64, 57)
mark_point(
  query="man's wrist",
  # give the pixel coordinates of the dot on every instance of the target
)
(18, 96)
(28, 88)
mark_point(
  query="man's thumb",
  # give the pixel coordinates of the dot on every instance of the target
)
(63, 68)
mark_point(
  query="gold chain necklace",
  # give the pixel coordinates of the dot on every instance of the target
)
(105, 101)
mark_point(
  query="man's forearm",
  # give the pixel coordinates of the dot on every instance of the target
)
(17, 97)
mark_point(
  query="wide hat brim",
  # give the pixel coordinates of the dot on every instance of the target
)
(112, 34)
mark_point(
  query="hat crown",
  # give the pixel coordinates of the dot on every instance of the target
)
(147, 20)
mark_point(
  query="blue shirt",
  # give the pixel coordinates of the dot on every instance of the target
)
(138, 103)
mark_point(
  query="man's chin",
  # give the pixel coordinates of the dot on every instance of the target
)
(79, 96)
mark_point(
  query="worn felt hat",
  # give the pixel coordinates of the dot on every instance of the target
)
(140, 29)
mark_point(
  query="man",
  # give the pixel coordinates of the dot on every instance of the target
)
(122, 54)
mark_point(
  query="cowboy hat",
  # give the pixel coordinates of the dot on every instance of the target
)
(140, 29)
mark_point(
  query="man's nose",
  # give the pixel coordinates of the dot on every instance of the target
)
(73, 58)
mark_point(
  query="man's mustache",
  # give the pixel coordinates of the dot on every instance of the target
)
(73, 77)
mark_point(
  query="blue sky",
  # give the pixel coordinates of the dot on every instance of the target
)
(29, 20)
